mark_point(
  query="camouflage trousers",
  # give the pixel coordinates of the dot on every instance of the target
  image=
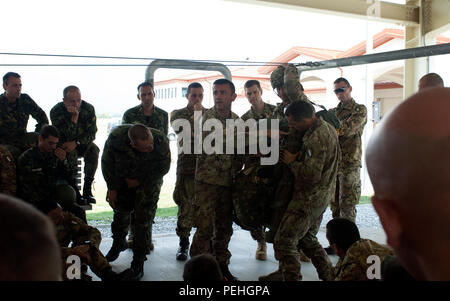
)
(298, 229)
(142, 204)
(90, 155)
(183, 196)
(258, 234)
(214, 208)
(348, 192)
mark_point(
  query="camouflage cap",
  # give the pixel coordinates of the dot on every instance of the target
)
(277, 77)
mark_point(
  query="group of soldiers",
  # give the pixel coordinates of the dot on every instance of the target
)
(319, 165)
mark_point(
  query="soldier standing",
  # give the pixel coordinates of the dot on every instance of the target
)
(183, 194)
(77, 124)
(8, 182)
(214, 176)
(15, 109)
(314, 168)
(153, 117)
(134, 161)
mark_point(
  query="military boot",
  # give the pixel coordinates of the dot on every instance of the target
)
(135, 272)
(182, 253)
(109, 275)
(118, 246)
(274, 276)
(226, 273)
(261, 251)
(329, 250)
(87, 193)
(303, 257)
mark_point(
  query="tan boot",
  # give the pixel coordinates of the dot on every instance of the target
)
(261, 251)
(274, 276)
(303, 257)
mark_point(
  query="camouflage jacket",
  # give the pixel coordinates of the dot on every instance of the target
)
(316, 166)
(8, 184)
(353, 118)
(354, 265)
(120, 160)
(83, 131)
(14, 119)
(217, 169)
(185, 162)
(74, 230)
(292, 85)
(266, 113)
(158, 119)
(38, 173)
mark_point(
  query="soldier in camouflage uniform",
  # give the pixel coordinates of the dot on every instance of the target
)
(183, 194)
(135, 159)
(151, 116)
(8, 184)
(42, 170)
(77, 124)
(353, 118)
(314, 168)
(85, 241)
(15, 109)
(259, 110)
(214, 176)
(343, 235)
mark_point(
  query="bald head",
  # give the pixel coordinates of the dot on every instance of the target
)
(408, 160)
(29, 250)
(431, 80)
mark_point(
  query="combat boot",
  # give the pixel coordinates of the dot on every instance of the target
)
(182, 253)
(226, 273)
(135, 272)
(329, 250)
(109, 275)
(303, 257)
(117, 247)
(87, 193)
(261, 251)
(274, 276)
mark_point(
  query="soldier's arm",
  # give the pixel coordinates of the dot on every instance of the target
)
(28, 180)
(166, 123)
(64, 125)
(351, 272)
(292, 83)
(38, 114)
(8, 182)
(355, 123)
(126, 118)
(159, 164)
(108, 166)
(88, 135)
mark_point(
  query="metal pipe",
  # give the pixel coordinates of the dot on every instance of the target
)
(377, 57)
(185, 64)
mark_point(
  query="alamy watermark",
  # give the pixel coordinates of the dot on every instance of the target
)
(241, 137)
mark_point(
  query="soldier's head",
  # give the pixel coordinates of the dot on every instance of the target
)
(53, 210)
(141, 138)
(146, 94)
(253, 92)
(30, 250)
(48, 138)
(300, 115)
(202, 267)
(341, 234)
(343, 90)
(194, 94)
(408, 164)
(277, 81)
(72, 97)
(224, 94)
(12, 85)
(431, 80)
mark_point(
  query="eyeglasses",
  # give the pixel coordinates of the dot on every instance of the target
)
(340, 90)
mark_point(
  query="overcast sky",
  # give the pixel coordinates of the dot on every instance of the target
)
(171, 29)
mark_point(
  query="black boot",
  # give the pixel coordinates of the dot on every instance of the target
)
(329, 250)
(117, 247)
(135, 272)
(226, 273)
(182, 253)
(109, 275)
(87, 193)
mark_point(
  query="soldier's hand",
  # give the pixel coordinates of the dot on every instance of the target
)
(275, 134)
(111, 197)
(198, 106)
(69, 146)
(287, 157)
(82, 251)
(60, 154)
(132, 183)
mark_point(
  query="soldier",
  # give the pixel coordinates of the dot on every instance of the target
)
(214, 176)
(44, 173)
(259, 110)
(314, 168)
(183, 194)
(343, 236)
(408, 164)
(431, 80)
(8, 182)
(15, 109)
(135, 159)
(151, 116)
(77, 124)
(353, 118)
(83, 239)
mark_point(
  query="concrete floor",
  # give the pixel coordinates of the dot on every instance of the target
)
(161, 264)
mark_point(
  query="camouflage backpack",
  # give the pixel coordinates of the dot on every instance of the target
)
(328, 116)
